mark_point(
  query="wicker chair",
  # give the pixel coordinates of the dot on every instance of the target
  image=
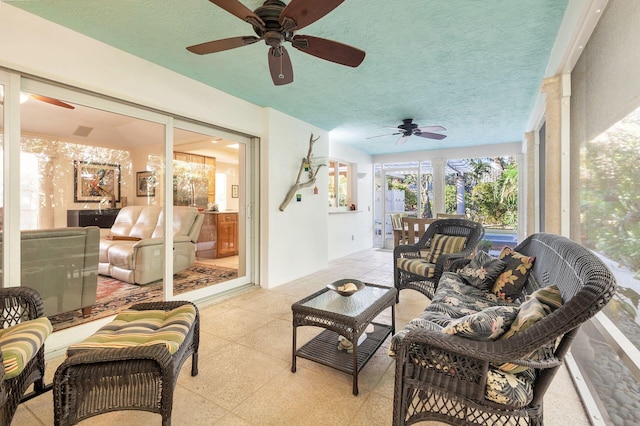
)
(17, 305)
(402, 279)
(424, 390)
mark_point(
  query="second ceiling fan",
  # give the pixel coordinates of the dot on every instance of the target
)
(409, 128)
(276, 23)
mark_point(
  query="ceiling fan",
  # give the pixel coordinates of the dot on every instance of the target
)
(26, 96)
(409, 128)
(276, 22)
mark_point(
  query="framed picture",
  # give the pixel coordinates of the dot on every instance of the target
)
(145, 184)
(95, 182)
(234, 191)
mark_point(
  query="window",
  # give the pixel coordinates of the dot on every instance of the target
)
(341, 189)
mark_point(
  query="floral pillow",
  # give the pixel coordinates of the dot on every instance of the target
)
(537, 306)
(510, 282)
(482, 271)
(488, 324)
(444, 244)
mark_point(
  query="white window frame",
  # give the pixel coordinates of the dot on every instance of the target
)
(350, 197)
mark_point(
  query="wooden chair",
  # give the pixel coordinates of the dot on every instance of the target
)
(414, 228)
(396, 226)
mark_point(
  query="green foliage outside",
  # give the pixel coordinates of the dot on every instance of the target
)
(490, 200)
(610, 206)
(610, 194)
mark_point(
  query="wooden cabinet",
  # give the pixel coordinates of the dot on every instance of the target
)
(102, 218)
(227, 234)
(218, 235)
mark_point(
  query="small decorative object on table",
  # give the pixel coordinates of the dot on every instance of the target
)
(346, 287)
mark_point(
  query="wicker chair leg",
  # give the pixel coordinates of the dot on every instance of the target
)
(194, 364)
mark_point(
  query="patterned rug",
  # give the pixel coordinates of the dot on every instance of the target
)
(114, 295)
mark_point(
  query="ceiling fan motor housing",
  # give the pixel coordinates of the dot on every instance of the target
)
(273, 33)
(408, 127)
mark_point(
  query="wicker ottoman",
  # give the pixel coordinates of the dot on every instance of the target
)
(132, 363)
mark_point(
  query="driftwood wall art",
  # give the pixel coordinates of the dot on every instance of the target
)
(308, 164)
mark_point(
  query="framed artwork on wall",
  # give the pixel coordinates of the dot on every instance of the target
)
(234, 191)
(95, 182)
(145, 184)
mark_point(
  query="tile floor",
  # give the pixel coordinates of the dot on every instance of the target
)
(245, 366)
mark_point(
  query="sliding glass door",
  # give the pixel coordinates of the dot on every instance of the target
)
(82, 160)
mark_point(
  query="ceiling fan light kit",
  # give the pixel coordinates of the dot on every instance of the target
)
(276, 22)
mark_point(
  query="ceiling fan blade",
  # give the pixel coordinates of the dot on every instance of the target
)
(51, 101)
(300, 13)
(402, 140)
(329, 50)
(280, 66)
(240, 10)
(431, 129)
(430, 135)
(221, 45)
(388, 134)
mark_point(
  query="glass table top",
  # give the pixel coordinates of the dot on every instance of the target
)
(352, 306)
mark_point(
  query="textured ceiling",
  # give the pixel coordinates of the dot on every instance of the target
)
(472, 66)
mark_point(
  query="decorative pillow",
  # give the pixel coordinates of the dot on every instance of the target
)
(549, 296)
(482, 271)
(488, 324)
(444, 244)
(537, 306)
(509, 283)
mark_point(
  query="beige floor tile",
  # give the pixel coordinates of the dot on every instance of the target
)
(233, 324)
(304, 398)
(274, 338)
(274, 304)
(233, 375)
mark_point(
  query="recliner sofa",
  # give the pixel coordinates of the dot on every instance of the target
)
(133, 250)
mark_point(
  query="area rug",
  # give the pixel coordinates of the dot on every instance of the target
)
(114, 295)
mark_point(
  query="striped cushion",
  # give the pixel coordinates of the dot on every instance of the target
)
(21, 342)
(142, 328)
(417, 266)
(444, 244)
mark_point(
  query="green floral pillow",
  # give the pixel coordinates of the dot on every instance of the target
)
(482, 271)
(510, 282)
(444, 244)
(488, 324)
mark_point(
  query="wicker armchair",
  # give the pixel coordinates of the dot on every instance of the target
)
(17, 305)
(443, 377)
(426, 285)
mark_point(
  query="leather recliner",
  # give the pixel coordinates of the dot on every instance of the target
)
(133, 251)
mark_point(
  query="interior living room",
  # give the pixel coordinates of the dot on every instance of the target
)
(229, 171)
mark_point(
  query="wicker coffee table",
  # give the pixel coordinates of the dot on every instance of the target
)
(346, 316)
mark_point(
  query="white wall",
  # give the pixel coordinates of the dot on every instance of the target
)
(296, 239)
(352, 231)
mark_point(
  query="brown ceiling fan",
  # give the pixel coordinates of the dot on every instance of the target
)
(26, 96)
(275, 22)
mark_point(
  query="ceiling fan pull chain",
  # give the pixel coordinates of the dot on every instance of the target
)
(281, 75)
